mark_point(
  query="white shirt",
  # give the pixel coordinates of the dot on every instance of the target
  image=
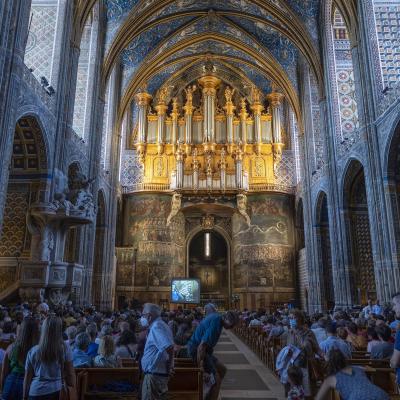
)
(367, 310)
(155, 356)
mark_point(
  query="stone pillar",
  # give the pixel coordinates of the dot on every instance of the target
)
(243, 121)
(275, 100)
(210, 85)
(13, 33)
(142, 100)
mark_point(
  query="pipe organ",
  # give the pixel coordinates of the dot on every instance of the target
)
(209, 146)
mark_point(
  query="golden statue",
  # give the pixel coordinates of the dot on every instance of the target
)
(189, 93)
(228, 94)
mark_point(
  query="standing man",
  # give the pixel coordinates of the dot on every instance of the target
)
(377, 308)
(201, 346)
(158, 356)
(367, 310)
(395, 360)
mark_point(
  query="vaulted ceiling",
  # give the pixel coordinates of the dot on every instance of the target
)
(263, 39)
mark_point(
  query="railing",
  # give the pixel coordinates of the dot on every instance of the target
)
(272, 187)
(146, 187)
(34, 84)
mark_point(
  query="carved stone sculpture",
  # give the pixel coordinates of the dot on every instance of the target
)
(176, 202)
(58, 296)
(241, 200)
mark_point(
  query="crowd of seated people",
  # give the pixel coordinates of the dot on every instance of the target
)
(45, 341)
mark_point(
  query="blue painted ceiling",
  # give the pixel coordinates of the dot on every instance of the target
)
(263, 36)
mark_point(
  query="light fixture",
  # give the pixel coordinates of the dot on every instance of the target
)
(207, 245)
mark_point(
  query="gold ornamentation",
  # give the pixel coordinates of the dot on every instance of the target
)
(208, 222)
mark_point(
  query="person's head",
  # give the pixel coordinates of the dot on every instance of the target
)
(28, 336)
(296, 319)
(330, 329)
(230, 319)
(210, 308)
(8, 327)
(71, 332)
(106, 346)
(352, 328)
(106, 330)
(51, 344)
(295, 375)
(341, 333)
(396, 305)
(369, 302)
(371, 333)
(82, 341)
(383, 332)
(150, 313)
(123, 326)
(336, 361)
(377, 302)
(91, 330)
(127, 337)
(322, 323)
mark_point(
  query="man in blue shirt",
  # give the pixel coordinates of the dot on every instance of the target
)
(158, 355)
(201, 346)
(333, 342)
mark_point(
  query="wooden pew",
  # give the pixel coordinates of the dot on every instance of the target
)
(186, 384)
(178, 362)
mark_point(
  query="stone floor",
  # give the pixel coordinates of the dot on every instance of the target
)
(247, 376)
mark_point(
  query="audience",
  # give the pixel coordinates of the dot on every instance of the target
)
(107, 357)
(93, 347)
(80, 357)
(351, 382)
(48, 364)
(126, 345)
(13, 371)
(383, 349)
(358, 341)
(333, 342)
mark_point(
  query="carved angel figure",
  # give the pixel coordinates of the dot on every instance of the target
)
(228, 94)
(189, 93)
(162, 94)
(255, 94)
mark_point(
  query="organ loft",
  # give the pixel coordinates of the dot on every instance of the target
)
(210, 151)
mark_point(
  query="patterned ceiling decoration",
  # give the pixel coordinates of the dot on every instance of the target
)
(143, 44)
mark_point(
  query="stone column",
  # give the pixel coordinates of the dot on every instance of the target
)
(275, 100)
(210, 85)
(243, 120)
(230, 109)
(13, 33)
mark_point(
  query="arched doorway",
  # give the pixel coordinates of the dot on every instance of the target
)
(324, 246)
(208, 260)
(361, 264)
(27, 184)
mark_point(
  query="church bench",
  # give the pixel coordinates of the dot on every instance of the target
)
(178, 362)
(186, 384)
(385, 378)
(369, 362)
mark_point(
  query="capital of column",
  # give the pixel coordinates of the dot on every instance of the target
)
(275, 99)
(143, 98)
(175, 110)
(229, 108)
(210, 84)
(243, 109)
(257, 108)
(161, 109)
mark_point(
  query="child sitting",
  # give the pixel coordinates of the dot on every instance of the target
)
(295, 377)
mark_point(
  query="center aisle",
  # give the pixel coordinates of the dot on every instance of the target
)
(247, 377)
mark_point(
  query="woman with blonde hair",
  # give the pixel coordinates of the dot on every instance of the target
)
(13, 371)
(106, 357)
(49, 364)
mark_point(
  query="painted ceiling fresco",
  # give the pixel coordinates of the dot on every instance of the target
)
(184, 23)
